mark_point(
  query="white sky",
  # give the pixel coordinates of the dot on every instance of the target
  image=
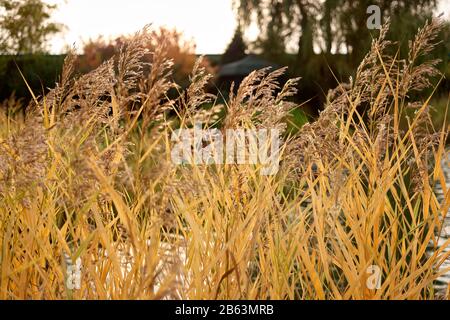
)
(210, 23)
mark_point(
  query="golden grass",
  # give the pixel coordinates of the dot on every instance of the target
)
(88, 173)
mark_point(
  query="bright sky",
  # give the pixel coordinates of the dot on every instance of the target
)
(210, 23)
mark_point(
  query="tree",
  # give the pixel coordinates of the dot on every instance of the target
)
(272, 40)
(25, 26)
(236, 49)
(335, 27)
(280, 22)
(327, 24)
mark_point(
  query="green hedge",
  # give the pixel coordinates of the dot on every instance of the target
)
(40, 71)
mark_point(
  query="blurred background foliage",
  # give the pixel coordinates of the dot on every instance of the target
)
(322, 41)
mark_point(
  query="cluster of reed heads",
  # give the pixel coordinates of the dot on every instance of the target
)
(86, 173)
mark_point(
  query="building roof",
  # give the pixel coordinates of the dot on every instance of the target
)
(245, 66)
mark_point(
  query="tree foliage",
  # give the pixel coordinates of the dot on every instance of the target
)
(405, 17)
(281, 22)
(337, 26)
(236, 50)
(180, 50)
(314, 36)
(25, 26)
